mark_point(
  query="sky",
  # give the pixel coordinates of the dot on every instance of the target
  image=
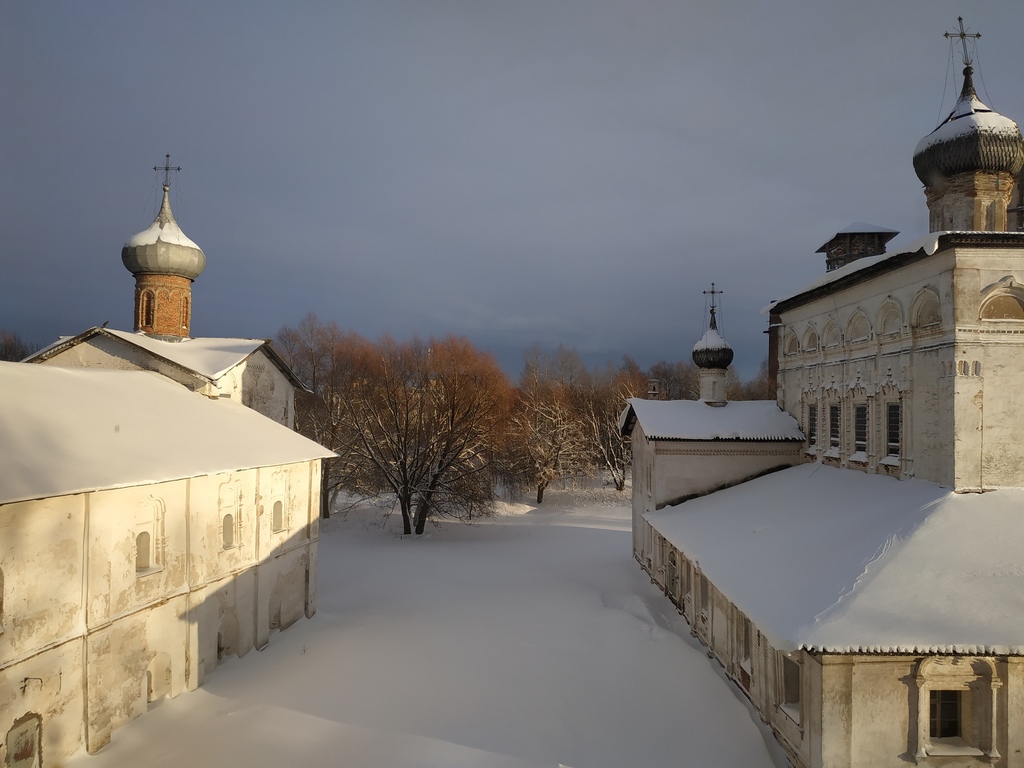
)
(537, 172)
(558, 651)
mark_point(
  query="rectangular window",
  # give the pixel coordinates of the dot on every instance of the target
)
(812, 425)
(944, 714)
(892, 429)
(860, 428)
(791, 688)
(833, 426)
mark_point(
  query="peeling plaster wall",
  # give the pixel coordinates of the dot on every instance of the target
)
(116, 598)
(259, 384)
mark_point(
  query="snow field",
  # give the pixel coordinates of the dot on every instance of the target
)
(533, 639)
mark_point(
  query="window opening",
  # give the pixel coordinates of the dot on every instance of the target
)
(143, 551)
(833, 426)
(812, 425)
(944, 714)
(228, 531)
(860, 428)
(278, 516)
(892, 429)
(147, 309)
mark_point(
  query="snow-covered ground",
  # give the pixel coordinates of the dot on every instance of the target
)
(533, 639)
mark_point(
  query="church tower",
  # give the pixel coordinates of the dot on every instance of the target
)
(713, 356)
(969, 164)
(164, 262)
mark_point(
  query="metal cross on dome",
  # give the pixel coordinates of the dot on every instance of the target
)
(166, 168)
(963, 35)
(713, 293)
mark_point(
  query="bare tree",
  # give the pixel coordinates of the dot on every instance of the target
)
(13, 348)
(319, 353)
(601, 405)
(676, 381)
(760, 387)
(550, 437)
(424, 415)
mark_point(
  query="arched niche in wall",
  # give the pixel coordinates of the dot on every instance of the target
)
(859, 328)
(890, 319)
(1003, 301)
(811, 341)
(831, 336)
(926, 312)
(791, 346)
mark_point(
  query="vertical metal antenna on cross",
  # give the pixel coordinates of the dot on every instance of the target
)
(963, 35)
(167, 168)
(713, 293)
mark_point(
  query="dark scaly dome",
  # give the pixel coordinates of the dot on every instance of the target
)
(163, 249)
(712, 351)
(972, 138)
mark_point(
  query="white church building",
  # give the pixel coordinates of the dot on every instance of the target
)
(153, 519)
(866, 592)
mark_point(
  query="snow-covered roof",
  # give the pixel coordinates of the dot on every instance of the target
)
(927, 243)
(970, 115)
(863, 227)
(842, 561)
(210, 358)
(711, 339)
(695, 420)
(71, 430)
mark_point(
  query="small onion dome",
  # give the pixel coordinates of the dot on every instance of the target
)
(973, 138)
(712, 351)
(163, 249)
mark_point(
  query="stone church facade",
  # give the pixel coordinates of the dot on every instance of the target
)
(868, 600)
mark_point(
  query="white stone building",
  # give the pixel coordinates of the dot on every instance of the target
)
(145, 533)
(248, 371)
(870, 602)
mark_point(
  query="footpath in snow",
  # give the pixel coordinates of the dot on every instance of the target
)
(532, 639)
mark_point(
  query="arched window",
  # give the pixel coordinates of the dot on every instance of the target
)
(142, 551)
(147, 309)
(228, 531)
(811, 341)
(278, 516)
(184, 313)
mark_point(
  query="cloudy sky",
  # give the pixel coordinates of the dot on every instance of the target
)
(517, 171)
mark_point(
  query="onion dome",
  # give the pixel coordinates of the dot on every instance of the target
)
(712, 351)
(163, 249)
(972, 138)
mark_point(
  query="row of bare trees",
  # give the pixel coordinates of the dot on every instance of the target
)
(437, 427)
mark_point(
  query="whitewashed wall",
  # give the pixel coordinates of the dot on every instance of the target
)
(89, 638)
